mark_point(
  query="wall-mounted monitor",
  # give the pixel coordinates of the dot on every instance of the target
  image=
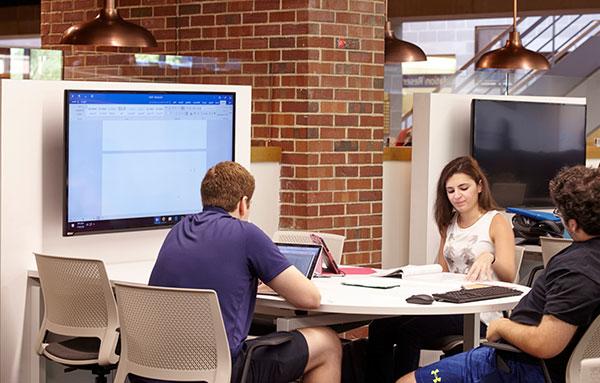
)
(522, 145)
(135, 160)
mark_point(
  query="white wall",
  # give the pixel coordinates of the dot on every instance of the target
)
(31, 183)
(264, 211)
(590, 89)
(442, 126)
(396, 213)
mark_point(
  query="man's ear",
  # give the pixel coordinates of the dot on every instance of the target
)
(243, 207)
(572, 225)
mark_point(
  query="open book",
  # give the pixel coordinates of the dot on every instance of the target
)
(409, 270)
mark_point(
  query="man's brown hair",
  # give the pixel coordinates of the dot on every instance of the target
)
(576, 193)
(225, 184)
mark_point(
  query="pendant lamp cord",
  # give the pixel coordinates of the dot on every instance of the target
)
(514, 15)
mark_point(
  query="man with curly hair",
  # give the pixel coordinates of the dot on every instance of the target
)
(550, 320)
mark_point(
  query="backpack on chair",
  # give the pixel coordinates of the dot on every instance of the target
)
(531, 229)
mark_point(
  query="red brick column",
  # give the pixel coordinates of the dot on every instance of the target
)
(316, 68)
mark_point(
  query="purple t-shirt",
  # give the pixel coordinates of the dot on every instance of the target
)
(213, 250)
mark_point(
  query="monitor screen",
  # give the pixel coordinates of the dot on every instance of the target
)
(136, 159)
(522, 145)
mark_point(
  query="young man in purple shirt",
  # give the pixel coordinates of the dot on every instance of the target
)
(218, 249)
(550, 320)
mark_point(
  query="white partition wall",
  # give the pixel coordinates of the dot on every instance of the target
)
(442, 132)
(31, 201)
(396, 217)
(264, 209)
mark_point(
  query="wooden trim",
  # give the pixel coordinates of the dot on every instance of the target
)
(20, 20)
(265, 154)
(593, 152)
(413, 10)
(397, 153)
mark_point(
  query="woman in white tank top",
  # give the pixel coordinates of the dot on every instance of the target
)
(476, 240)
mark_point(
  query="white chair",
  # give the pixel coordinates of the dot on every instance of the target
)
(78, 304)
(584, 363)
(172, 334)
(552, 246)
(519, 251)
(335, 242)
(176, 334)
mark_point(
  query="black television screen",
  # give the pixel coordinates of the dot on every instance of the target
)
(522, 145)
(136, 159)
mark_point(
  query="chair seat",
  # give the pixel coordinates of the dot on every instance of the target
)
(445, 343)
(84, 350)
(449, 345)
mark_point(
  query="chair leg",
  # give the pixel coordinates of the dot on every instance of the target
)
(100, 374)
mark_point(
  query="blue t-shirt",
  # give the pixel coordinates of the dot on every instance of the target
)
(213, 250)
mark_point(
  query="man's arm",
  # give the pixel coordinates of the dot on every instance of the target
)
(296, 289)
(545, 340)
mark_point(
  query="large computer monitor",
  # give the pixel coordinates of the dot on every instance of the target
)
(135, 160)
(521, 145)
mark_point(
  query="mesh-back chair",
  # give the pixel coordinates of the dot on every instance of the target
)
(335, 242)
(584, 363)
(453, 344)
(171, 334)
(550, 247)
(79, 306)
(177, 334)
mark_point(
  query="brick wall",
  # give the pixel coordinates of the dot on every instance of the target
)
(316, 68)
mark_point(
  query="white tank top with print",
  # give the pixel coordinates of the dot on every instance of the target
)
(463, 246)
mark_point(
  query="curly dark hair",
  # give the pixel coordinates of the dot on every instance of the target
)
(576, 193)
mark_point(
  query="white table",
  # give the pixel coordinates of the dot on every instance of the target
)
(345, 304)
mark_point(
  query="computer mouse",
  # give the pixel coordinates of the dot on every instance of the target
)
(420, 299)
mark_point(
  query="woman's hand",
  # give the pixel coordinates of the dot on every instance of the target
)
(481, 269)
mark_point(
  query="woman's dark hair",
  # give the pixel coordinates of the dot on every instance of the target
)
(443, 208)
(576, 193)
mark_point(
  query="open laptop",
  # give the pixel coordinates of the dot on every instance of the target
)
(303, 256)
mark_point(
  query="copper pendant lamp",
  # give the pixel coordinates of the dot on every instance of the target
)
(399, 51)
(108, 29)
(513, 55)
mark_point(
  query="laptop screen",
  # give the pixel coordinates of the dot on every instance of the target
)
(304, 257)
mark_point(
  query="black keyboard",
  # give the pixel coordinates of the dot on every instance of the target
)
(476, 294)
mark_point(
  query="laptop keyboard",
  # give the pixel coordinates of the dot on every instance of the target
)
(477, 294)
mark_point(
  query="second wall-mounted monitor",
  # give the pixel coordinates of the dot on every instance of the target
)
(521, 146)
(135, 160)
